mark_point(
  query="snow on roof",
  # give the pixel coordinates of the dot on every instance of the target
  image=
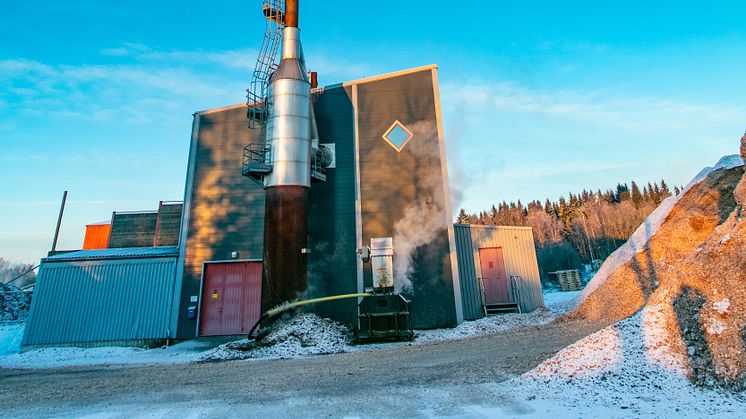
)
(115, 253)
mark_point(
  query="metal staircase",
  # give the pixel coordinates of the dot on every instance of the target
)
(497, 308)
(266, 63)
(493, 309)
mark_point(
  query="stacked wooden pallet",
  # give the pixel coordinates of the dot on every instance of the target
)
(569, 280)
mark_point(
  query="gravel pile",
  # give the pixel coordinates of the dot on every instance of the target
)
(14, 303)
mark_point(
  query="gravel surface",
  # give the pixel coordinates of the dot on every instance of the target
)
(399, 381)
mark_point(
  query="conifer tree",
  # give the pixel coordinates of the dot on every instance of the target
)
(635, 195)
(665, 192)
(463, 217)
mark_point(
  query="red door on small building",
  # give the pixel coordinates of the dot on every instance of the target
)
(231, 298)
(493, 275)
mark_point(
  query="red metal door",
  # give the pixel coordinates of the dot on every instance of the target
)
(493, 274)
(231, 298)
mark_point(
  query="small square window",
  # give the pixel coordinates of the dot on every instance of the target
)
(397, 135)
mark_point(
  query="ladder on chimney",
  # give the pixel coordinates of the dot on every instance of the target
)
(266, 63)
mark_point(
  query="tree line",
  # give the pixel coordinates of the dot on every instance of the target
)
(586, 226)
(11, 270)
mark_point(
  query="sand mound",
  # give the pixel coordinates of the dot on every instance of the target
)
(693, 271)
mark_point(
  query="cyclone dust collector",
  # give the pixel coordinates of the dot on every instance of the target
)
(289, 158)
(383, 315)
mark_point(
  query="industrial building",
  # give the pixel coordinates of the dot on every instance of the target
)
(283, 207)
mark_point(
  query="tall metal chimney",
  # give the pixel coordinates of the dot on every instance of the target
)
(289, 140)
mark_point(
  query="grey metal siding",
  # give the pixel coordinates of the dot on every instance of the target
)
(226, 212)
(520, 260)
(132, 229)
(331, 210)
(407, 187)
(94, 302)
(471, 294)
(169, 223)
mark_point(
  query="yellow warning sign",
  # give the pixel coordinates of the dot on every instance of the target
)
(214, 296)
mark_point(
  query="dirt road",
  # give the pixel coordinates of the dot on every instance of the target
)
(431, 379)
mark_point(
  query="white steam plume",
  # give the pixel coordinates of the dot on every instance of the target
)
(425, 217)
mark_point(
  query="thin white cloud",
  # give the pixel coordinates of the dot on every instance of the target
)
(606, 108)
(509, 141)
(145, 86)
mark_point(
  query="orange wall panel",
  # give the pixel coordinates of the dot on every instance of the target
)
(96, 236)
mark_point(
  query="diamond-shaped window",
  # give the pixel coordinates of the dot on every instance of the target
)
(397, 135)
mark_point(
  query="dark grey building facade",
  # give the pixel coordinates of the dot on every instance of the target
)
(389, 179)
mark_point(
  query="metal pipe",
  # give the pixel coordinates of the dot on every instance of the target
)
(59, 222)
(291, 14)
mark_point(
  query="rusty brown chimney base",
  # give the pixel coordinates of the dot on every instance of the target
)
(285, 244)
(291, 14)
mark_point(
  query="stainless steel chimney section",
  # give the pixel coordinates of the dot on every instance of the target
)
(288, 123)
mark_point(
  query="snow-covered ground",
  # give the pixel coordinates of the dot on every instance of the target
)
(11, 334)
(624, 370)
(189, 351)
(306, 335)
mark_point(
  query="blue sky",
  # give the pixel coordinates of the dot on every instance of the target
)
(538, 99)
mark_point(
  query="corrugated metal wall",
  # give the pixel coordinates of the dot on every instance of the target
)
(520, 260)
(471, 295)
(124, 301)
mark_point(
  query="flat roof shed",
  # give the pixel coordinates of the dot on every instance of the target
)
(103, 297)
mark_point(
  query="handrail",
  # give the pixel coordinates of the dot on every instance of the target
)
(483, 295)
(515, 290)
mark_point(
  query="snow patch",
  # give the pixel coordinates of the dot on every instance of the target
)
(624, 370)
(11, 334)
(722, 306)
(714, 326)
(65, 357)
(486, 326)
(561, 301)
(649, 227)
